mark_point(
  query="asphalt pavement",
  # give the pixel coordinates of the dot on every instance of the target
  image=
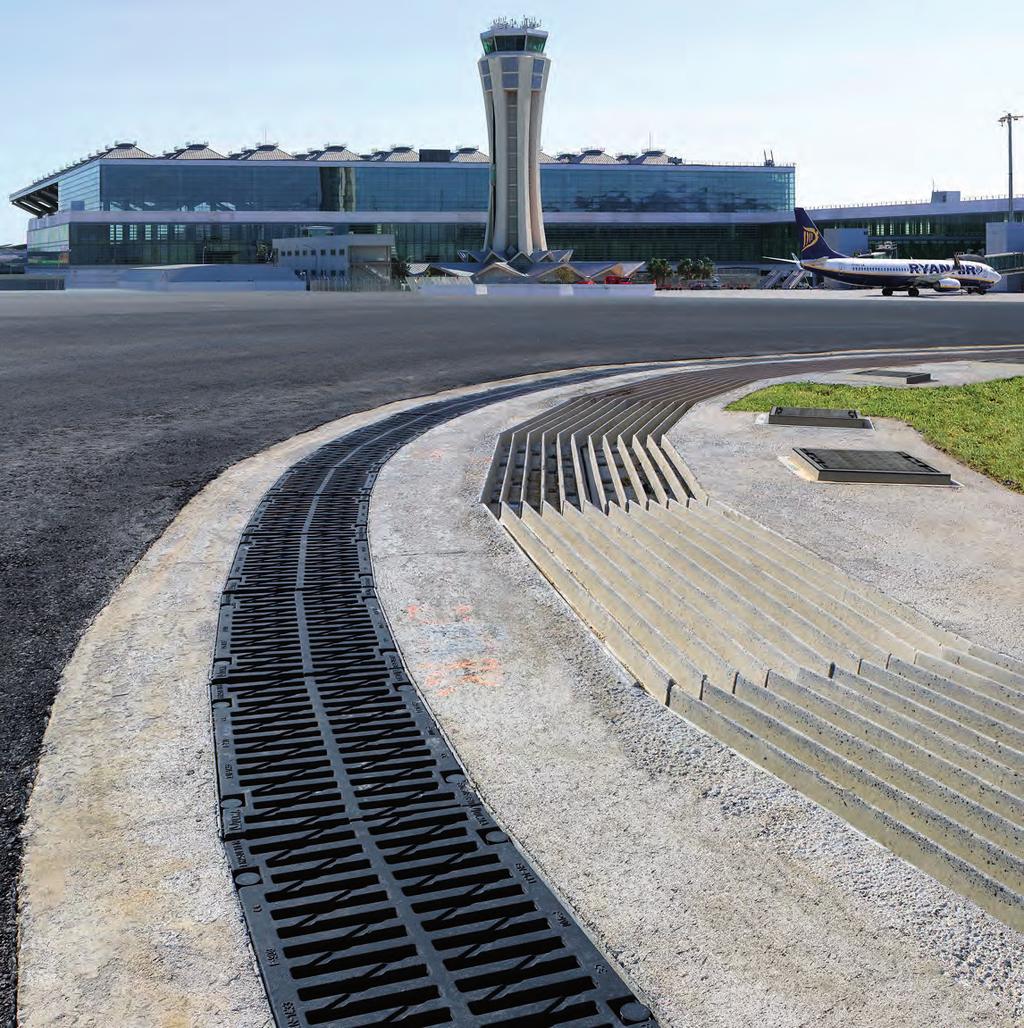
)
(116, 408)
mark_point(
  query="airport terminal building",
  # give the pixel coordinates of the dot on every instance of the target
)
(192, 205)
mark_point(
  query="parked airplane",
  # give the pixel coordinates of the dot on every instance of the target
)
(944, 276)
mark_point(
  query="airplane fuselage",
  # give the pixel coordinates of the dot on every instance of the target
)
(945, 275)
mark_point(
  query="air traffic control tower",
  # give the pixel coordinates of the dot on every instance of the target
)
(514, 75)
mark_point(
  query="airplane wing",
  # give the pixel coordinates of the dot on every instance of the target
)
(781, 260)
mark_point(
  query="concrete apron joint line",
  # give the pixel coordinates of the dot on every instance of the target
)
(125, 784)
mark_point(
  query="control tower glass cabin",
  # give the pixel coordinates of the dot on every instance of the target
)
(514, 75)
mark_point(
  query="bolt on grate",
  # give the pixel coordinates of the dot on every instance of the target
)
(376, 886)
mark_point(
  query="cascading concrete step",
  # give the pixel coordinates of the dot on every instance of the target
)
(898, 774)
(622, 624)
(1003, 719)
(1001, 660)
(682, 629)
(932, 710)
(716, 715)
(765, 622)
(740, 648)
(910, 732)
(997, 667)
(987, 859)
(988, 844)
(651, 675)
(972, 772)
(870, 622)
(821, 632)
(993, 688)
(689, 625)
(903, 621)
(917, 628)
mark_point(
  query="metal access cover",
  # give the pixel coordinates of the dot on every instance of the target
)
(376, 886)
(817, 417)
(892, 466)
(910, 377)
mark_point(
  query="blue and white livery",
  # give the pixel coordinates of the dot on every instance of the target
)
(944, 276)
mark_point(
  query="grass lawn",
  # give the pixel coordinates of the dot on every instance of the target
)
(981, 425)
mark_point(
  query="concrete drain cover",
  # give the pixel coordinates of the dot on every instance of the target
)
(817, 417)
(892, 466)
(910, 377)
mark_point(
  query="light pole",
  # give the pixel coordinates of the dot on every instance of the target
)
(1008, 119)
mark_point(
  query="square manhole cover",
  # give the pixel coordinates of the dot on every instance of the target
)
(817, 417)
(910, 377)
(892, 466)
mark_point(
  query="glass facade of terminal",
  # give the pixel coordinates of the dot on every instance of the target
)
(666, 188)
(79, 190)
(932, 235)
(250, 186)
(724, 244)
(159, 242)
(419, 189)
(192, 243)
(205, 186)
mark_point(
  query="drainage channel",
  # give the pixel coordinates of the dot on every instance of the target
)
(376, 886)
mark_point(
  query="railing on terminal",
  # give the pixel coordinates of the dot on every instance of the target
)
(912, 203)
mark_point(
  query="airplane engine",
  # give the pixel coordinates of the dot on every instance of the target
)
(947, 285)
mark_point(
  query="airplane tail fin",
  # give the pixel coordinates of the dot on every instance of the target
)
(812, 243)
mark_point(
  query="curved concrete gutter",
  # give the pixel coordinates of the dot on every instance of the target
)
(127, 912)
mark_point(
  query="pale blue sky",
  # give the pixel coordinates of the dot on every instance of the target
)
(872, 100)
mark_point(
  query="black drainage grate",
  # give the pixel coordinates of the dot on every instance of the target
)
(376, 886)
(817, 417)
(884, 466)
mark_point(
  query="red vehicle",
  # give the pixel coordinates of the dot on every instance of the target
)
(616, 280)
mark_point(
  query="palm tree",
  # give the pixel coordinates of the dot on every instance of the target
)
(705, 268)
(685, 268)
(659, 269)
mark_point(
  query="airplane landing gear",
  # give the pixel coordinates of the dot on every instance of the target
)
(913, 291)
(886, 290)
